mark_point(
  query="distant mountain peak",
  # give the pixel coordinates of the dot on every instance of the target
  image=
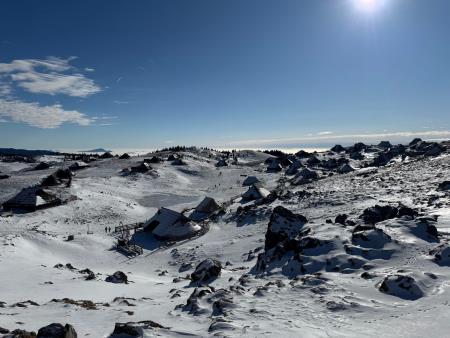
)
(97, 150)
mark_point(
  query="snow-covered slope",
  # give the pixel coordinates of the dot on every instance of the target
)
(320, 278)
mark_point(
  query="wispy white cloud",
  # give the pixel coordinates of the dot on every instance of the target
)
(120, 102)
(48, 76)
(40, 116)
(325, 133)
(5, 90)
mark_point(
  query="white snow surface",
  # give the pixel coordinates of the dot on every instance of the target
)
(272, 304)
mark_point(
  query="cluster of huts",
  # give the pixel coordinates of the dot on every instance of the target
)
(48, 193)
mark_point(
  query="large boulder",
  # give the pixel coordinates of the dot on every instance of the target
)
(371, 238)
(357, 147)
(134, 329)
(331, 163)
(117, 277)
(434, 149)
(124, 156)
(141, 168)
(337, 148)
(381, 159)
(207, 270)
(18, 333)
(426, 229)
(379, 213)
(441, 255)
(302, 154)
(312, 160)
(42, 166)
(404, 287)
(415, 141)
(283, 224)
(385, 144)
(305, 176)
(444, 185)
(341, 219)
(345, 168)
(57, 330)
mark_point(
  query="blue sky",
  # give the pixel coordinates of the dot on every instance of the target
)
(253, 73)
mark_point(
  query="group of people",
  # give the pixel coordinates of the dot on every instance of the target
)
(107, 229)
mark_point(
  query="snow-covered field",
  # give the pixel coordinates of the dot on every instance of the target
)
(346, 281)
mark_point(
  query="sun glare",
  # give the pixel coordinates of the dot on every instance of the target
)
(368, 6)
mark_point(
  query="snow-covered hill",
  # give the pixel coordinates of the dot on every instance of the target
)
(289, 267)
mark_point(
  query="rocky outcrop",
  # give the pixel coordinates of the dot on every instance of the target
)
(283, 225)
(371, 238)
(117, 277)
(206, 271)
(441, 255)
(444, 186)
(404, 287)
(338, 148)
(57, 330)
(379, 213)
(134, 329)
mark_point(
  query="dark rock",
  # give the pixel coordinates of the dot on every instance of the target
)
(42, 166)
(381, 159)
(63, 174)
(56, 330)
(341, 219)
(441, 255)
(302, 154)
(21, 334)
(404, 287)
(444, 185)
(106, 155)
(124, 156)
(134, 329)
(378, 213)
(117, 277)
(406, 211)
(356, 155)
(385, 144)
(357, 147)
(415, 141)
(141, 168)
(283, 224)
(372, 238)
(312, 160)
(434, 149)
(207, 270)
(338, 148)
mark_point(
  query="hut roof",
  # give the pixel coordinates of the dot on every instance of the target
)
(42, 166)
(250, 180)
(254, 193)
(207, 206)
(168, 224)
(32, 198)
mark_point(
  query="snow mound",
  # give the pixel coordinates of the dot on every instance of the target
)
(401, 286)
(371, 238)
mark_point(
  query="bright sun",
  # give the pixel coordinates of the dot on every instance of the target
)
(368, 5)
